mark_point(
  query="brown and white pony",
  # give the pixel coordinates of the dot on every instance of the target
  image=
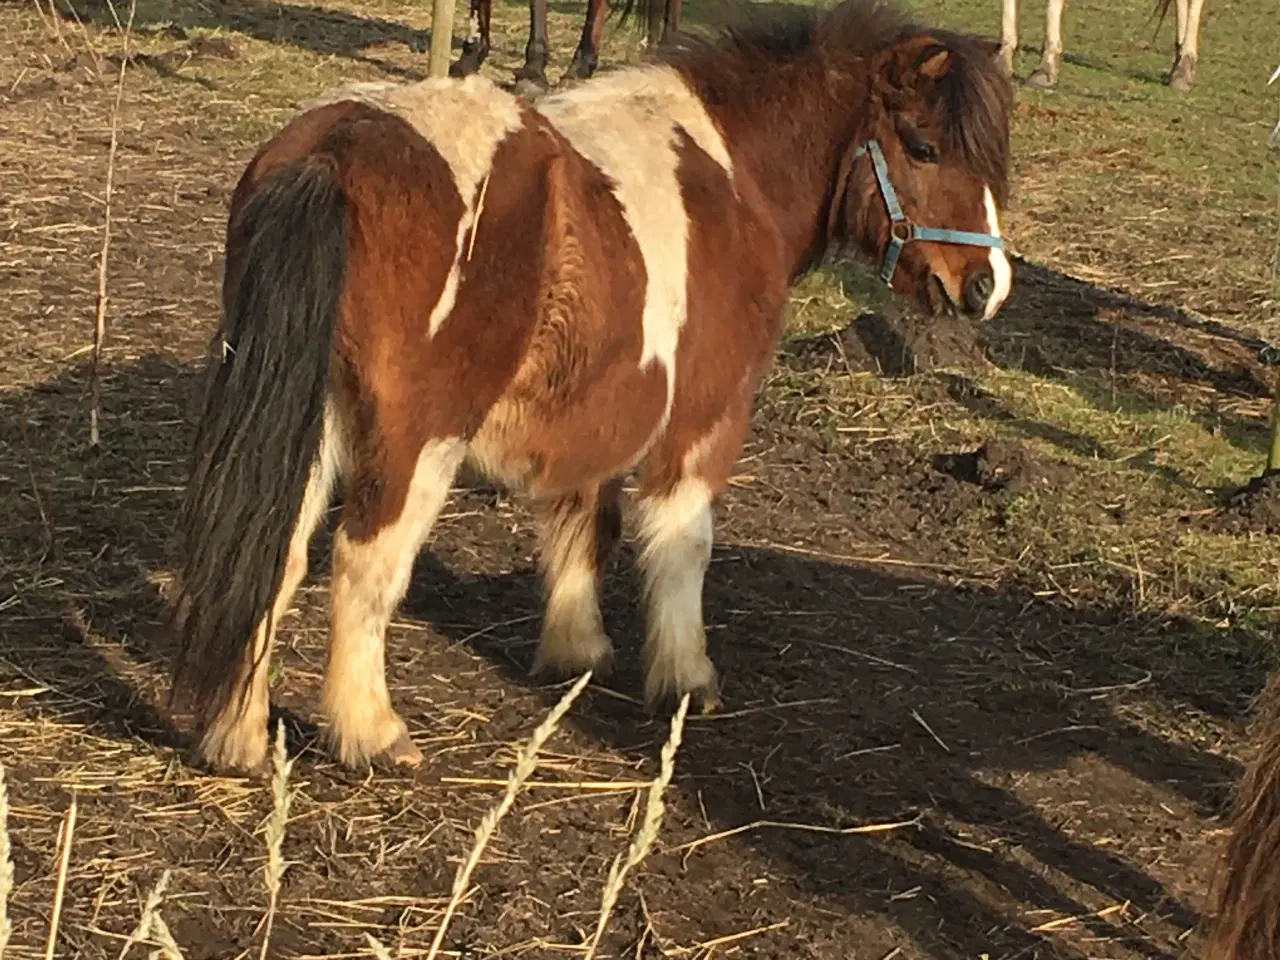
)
(1186, 43)
(662, 19)
(562, 293)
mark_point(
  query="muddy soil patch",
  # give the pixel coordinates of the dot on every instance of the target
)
(1254, 508)
(898, 343)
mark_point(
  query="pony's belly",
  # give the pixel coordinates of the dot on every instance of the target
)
(547, 449)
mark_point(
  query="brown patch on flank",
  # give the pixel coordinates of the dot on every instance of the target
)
(579, 406)
(405, 209)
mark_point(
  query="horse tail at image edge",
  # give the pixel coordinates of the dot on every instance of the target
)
(1245, 924)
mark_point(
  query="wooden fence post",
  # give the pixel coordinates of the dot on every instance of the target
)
(441, 38)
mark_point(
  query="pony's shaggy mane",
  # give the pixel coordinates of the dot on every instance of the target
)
(740, 62)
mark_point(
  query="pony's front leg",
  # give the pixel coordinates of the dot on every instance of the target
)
(385, 522)
(681, 479)
(676, 531)
(579, 532)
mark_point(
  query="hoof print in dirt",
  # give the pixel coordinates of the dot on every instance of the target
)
(1254, 508)
(897, 344)
(997, 466)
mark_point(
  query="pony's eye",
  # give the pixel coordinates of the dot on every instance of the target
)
(923, 151)
(919, 148)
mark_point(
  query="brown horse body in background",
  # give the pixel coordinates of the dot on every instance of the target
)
(561, 293)
(661, 17)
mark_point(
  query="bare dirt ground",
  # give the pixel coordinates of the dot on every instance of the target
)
(985, 587)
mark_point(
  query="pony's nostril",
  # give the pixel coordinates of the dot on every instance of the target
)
(978, 289)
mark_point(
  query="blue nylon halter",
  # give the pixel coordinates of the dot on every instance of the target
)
(902, 231)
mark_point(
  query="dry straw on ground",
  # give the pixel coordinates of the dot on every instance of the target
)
(6, 866)
(151, 930)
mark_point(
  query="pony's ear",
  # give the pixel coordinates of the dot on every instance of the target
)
(934, 61)
(988, 46)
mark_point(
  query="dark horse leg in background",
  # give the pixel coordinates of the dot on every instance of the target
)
(662, 20)
(537, 51)
(476, 47)
(587, 55)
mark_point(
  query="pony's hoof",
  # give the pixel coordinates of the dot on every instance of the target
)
(530, 89)
(401, 755)
(664, 686)
(233, 757)
(561, 660)
(382, 744)
(1042, 79)
(1183, 76)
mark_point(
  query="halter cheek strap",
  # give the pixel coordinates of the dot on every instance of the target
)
(901, 230)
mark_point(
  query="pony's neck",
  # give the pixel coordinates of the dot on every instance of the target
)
(788, 134)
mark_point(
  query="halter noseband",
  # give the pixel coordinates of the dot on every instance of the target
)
(901, 230)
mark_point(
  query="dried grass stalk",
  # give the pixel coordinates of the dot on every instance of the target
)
(150, 912)
(100, 322)
(6, 865)
(160, 935)
(526, 763)
(377, 947)
(276, 824)
(64, 862)
(649, 827)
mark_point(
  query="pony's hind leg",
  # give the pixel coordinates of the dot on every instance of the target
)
(373, 558)
(236, 738)
(579, 532)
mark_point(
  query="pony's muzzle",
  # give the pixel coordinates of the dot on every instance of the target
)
(978, 287)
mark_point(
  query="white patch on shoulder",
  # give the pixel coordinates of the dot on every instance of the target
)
(625, 123)
(1001, 269)
(465, 120)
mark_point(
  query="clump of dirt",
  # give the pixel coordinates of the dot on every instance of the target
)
(1254, 508)
(999, 466)
(900, 344)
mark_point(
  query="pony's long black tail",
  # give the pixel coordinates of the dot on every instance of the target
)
(262, 424)
(1246, 917)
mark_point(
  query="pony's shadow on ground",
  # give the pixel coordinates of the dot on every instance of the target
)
(829, 670)
(85, 540)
